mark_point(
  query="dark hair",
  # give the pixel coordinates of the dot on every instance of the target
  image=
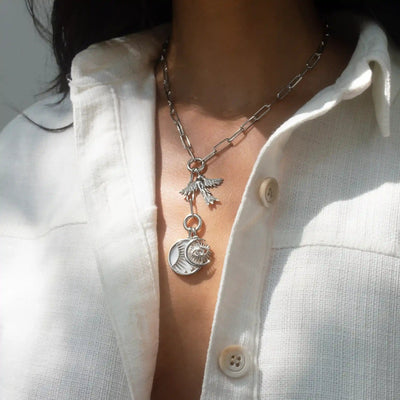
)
(76, 24)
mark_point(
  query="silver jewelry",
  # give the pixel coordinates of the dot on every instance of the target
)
(189, 255)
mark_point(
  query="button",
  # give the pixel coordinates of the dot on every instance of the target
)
(268, 191)
(234, 361)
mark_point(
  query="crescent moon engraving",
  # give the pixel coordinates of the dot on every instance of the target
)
(177, 258)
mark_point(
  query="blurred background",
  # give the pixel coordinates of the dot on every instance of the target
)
(26, 63)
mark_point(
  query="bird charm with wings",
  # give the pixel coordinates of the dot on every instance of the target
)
(201, 184)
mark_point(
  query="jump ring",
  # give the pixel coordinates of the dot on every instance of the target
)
(192, 228)
(196, 160)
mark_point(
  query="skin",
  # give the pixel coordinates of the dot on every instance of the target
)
(226, 59)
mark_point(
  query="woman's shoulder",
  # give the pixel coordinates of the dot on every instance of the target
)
(25, 141)
(53, 112)
(38, 171)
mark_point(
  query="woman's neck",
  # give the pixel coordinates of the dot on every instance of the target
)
(228, 56)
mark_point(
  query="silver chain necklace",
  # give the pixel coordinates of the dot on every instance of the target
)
(189, 255)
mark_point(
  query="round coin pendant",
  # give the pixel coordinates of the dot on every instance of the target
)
(187, 256)
(198, 252)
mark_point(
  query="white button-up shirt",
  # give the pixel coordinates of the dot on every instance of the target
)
(309, 302)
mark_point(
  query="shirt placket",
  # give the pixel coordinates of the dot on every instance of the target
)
(231, 361)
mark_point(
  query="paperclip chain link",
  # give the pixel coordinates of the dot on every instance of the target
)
(245, 127)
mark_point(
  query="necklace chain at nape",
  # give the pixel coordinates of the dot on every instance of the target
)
(189, 255)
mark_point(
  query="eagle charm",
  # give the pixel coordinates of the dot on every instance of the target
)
(201, 184)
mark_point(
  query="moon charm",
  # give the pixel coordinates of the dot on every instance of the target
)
(187, 256)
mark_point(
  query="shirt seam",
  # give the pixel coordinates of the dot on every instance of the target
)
(339, 247)
(257, 336)
(43, 234)
(121, 142)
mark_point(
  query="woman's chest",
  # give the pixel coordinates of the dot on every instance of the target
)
(187, 303)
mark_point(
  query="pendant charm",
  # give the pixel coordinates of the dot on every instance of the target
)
(187, 256)
(201, 184)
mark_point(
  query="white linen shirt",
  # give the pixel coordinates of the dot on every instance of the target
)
(310, 291)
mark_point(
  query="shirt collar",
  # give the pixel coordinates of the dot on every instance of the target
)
(369, 65)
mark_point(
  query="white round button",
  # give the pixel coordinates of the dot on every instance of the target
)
(268, 191)
(234, 361)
